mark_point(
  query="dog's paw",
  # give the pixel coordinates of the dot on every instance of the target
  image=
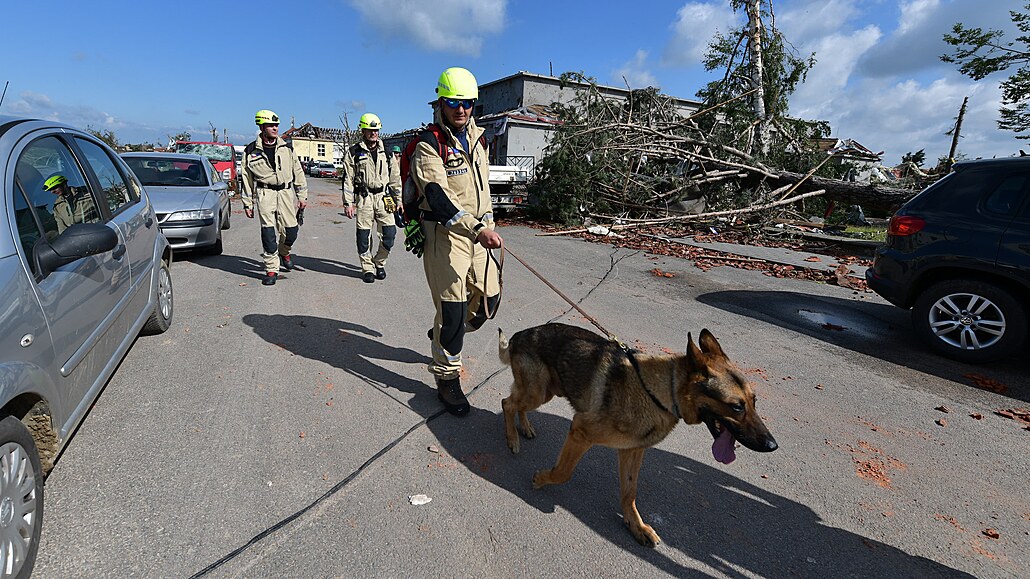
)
(527, 430)
(513, 445)
(541, 478)
(645, 535)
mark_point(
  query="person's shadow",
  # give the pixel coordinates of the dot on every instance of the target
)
(701, 511)
(352, 348)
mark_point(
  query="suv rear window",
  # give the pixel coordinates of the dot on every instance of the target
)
(1008, 196)
(959, 192)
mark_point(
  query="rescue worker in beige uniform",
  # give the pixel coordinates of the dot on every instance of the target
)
(371, 190)
(458, 227)
(71, 206)
(274, 180)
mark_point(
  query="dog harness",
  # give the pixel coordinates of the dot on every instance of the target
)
(672, 385)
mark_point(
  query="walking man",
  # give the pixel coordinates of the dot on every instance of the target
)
(274, 180)
(458, 227)
(371, 190)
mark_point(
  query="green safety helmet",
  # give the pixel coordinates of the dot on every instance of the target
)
(266, 117)
(457, 83)
(395, 149)
(54, 181)
(370, 121)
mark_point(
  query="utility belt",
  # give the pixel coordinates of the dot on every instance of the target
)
(261, 185)
(365, 191)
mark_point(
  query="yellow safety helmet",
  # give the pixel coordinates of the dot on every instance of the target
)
(266, 117)
(370, 121)
(457, 83)
(54, 181)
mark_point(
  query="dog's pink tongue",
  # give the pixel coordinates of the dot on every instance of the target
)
(722, 448)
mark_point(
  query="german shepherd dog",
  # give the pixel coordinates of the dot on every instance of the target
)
(626, 400)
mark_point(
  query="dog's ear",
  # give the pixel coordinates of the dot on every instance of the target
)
(709, 344)
(693, 352)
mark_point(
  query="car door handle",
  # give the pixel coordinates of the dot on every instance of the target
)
(118, 251)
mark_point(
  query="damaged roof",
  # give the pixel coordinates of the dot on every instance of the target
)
(309, 131)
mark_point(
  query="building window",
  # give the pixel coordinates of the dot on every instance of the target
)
(321, 150)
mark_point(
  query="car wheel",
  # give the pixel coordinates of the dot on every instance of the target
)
(161, 318)
(21, 499)
(970, 321)
(228, 216)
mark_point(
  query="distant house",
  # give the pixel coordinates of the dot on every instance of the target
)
(311, 143)
(866, 166)
(515, 112)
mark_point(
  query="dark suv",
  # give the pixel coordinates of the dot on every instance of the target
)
(958, 254)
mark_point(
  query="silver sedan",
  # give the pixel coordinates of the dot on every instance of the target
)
(189, 196)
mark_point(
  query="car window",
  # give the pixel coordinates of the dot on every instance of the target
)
(53, 190)
(1008, 195)
(116, 192)
(169, 171)
(213, 174)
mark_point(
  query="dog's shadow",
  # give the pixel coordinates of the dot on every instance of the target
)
(702, 511)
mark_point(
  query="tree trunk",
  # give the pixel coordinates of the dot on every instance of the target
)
(757, 73)
(876, 197)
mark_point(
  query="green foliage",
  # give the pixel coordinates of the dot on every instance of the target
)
(783, 70)
(105, 135)
(917, 158)
(980, 53)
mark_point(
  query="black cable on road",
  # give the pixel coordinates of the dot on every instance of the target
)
(332, 491)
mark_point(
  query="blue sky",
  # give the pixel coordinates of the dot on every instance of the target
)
(146, 70)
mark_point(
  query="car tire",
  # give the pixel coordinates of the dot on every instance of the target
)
(228, 215)
(993, 328)
(21, 498)
(161, 318)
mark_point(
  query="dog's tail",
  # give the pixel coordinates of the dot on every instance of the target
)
(502, 348)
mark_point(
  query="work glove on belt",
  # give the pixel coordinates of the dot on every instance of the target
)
(389, 204)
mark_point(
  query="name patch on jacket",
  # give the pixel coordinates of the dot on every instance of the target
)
(455, 172)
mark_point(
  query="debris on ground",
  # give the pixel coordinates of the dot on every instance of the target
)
(419, 500)
(1021, 415)
(943, 409)
(985, 383)
(991, 533)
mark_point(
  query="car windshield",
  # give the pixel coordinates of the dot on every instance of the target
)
(213, 151)
(168, 172)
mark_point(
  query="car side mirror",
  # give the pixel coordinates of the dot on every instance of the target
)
(78, 241)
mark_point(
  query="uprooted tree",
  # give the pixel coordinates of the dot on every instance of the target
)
(642, 159)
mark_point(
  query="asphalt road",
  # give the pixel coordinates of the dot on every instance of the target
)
(279, 431)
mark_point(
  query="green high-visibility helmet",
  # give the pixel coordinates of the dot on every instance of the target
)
(370, 121)
(457, 83)
(54, 181)
(266, 117)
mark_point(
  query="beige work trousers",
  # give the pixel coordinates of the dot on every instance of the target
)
(276, 209)
(460, 273)
(372, 212)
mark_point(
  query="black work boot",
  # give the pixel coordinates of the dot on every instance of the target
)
(369, 277)
(287, 262)
(380, 273)
(270, 278)
(449, 392)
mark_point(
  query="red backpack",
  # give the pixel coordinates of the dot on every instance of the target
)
(410, 194)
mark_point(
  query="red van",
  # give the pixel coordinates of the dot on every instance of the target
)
(220, 154)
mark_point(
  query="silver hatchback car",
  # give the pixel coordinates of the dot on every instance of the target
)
(84, 269)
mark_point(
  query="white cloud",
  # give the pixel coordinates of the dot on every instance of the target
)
(635, 72)
(696, 24)
(836, 56)
(456, 26)
(815, 18)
